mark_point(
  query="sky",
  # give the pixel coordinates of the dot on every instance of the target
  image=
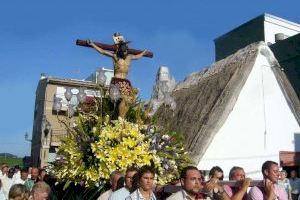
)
(39, 37)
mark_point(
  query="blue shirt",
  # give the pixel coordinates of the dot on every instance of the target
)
(295, 184)
(120, 194)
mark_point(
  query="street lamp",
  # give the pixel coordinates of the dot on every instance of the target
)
(46, 126)
(81, 95)
(57, 104)
(114, 93)
(27, 138)
(101, 78)
(68, 94)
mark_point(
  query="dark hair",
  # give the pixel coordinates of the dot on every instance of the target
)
(267, 165)
(216, 169)
(120, 183)
(122, 48)
(24, 170)
(11, 170)
(145, 169)
(186, 169)
(135, 183)
(233, 170)
(131, 169)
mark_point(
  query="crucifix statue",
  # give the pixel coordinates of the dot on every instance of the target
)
(121, 56)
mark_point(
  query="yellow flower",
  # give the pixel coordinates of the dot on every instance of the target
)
(129, 142)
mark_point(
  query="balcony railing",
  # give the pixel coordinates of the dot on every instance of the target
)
(56, 137)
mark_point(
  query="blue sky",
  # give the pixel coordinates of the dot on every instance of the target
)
(39, 37)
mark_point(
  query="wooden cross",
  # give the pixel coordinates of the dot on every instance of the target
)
(113, 48)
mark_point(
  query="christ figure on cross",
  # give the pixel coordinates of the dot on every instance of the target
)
(121, 61)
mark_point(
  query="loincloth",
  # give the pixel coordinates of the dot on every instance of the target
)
(124, 86)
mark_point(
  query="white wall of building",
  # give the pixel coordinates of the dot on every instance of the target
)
(259, 126)
(274, 25)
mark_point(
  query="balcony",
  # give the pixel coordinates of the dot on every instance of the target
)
(57, 135)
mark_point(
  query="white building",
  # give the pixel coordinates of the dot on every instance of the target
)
(240, 111)
(260, 124)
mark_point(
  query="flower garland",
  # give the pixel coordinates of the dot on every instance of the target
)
(95, 148)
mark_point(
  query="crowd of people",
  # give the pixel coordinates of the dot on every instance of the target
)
(23, 184)
(139, 184)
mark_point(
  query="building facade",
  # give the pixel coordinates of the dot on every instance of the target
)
(266, 27)
(47, 130)
(287, 52)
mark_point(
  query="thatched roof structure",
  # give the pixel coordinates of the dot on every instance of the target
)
(205, 99)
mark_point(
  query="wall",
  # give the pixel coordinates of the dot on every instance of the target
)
(273, 25)
(229, 43)
(259, 126)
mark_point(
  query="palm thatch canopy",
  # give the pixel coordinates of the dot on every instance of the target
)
(206, 98)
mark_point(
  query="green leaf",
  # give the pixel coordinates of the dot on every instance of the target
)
(67, 184)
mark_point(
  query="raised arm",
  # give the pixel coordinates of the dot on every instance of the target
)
(216, 190)
(100, 50)
(243, 190)
(138, 56)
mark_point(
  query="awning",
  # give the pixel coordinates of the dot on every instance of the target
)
(289, 158)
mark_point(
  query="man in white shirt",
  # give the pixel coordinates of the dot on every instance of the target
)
(4, 170)
(114, 177)
(191, 180)
(7, 182)
(23, 177)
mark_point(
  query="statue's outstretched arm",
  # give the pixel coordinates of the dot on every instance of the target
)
(100, 50)
(138, 56)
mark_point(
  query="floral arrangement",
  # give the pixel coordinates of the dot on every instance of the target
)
(96, 146)
(169, 154)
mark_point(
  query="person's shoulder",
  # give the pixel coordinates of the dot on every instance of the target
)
(176, 196)
(27, 181)
(105, 195)
(255, 193)
(128, 198)
(254, 189)
(132, 196)
(228, 190)
(122, 192)
(280, 192)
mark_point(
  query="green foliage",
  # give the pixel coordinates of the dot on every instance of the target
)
(11, 161)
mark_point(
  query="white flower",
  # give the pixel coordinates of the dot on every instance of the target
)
(166, 166)
(172, 162)
(165, 137)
